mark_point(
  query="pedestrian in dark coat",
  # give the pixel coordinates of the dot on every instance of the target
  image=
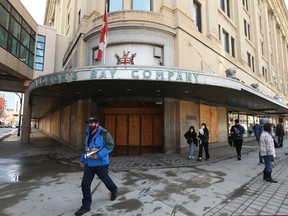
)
(203, 142)
(191, 137)
(280, 133)
(237, 132)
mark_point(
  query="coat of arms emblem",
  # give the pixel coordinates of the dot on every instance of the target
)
(126, 58)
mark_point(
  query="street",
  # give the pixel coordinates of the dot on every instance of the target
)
(43, 178)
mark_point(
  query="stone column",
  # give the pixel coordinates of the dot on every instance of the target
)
(171, 126)
(26, 119)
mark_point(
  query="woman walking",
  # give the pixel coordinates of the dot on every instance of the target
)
(191, 137)
(204, 141)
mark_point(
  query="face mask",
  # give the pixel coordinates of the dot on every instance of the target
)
(91, 128)
(203, 127)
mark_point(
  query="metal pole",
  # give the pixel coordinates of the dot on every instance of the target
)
(20, 110)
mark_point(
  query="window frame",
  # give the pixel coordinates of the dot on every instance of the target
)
(150, 6)
(197, 15)
(42, 48)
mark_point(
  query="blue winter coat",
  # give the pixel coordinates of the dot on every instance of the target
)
(102, 140)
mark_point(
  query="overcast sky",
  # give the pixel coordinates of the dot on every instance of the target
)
(36, 8)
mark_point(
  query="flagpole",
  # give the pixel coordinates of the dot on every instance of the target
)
(103, 39)
(104, 51)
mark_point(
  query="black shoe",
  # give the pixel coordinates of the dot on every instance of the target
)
(114, 195)
(207, 158)
(199, 159)
(239, 157)
(82, 211)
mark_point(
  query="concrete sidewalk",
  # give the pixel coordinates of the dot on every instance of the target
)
(43, 178)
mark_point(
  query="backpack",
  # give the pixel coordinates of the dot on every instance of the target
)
(237, 131)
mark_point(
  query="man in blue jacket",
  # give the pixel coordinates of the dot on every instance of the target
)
(95, 161)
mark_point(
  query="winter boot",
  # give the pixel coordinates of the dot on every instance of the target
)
(264, 175)
(269, 178)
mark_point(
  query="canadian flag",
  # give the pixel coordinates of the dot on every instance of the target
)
(103, 36)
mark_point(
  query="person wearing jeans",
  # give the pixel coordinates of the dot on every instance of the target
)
(95, 161)
(267, 151)
(191, 137)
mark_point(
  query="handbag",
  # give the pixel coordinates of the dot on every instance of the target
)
(230, 140)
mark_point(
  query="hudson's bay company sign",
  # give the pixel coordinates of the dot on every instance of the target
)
(124, 73)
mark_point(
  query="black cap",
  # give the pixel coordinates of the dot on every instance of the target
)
(92, 119)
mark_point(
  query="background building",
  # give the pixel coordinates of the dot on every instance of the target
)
(168, 65)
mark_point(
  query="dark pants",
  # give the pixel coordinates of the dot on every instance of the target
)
(268, 163)
(205, 145)
(280, 141)
(238, 144)
(88, 176)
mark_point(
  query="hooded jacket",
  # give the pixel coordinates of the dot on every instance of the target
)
(101, 141)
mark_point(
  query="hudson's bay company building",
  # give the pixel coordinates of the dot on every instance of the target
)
(167, 65)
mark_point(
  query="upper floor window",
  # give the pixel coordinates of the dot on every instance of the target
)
(227, 40)
(250, 61)
(245, 4)
(115, 5)
(40, 50)
(247, 29)
(225, 6)
(197, 15)
(141, 5)
(16, 36)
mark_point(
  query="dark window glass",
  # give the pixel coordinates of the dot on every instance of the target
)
(26, 26)
(228, 8)
(31, 59)
(24, 54)
(5, 4)
(141, 5)
(4, 17)
(16, 15)
(16, 36)
(32, 44)
(222, 4)
(245, 27)
(226, 41)
(249, 59)
(233, 46)
(115, 5)
(15, 28)
(25, 37)
(13, 46)
(197, 15)
(3, 37)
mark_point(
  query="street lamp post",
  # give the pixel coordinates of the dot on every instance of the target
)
(20, 110)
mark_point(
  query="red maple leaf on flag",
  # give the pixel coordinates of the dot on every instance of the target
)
(103, 37)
